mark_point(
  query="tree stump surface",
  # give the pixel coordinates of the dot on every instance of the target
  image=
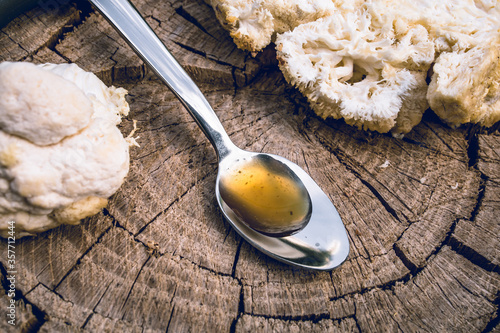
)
(422, 212)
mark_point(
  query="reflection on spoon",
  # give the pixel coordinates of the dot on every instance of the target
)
(266, 195)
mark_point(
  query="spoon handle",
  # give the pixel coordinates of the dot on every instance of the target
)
(125, 18)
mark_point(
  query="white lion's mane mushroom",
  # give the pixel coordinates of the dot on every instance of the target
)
(360, 66)
(465, 85)
(367, 61)
(253, 24)
(61, 154)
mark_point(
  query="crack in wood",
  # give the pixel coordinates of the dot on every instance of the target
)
(34, 287)
(472, 255)
(448, 242)
(480, 197)
(158, 21)
(414, 269)
(132, 287)
(351, 239)
(439, 137)
(173, 308)
(351, 166)
(473, 146)
(83, 12)
(102, 296)
(40, 317)
(355, 318)
(306, 165)
(494, 323)
(236, 257)
(241, 310)
(134, 237)
(462, 249)
(18, 44)
(170, 318)
(404, 259)
(53, 291)
(188, 17)
(419, 181)
(177, 199)
(79, 260)
(314, 318)
(381, 199)
(87, 320)
(211, 270)
(204, 54)
(383, 286)
(163, 147)
(431, 149)
(117, 224)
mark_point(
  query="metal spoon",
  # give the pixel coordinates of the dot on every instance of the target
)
(320, 239)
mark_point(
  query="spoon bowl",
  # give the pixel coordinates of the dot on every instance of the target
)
(320, 244)
(263, 192)
(302, 226)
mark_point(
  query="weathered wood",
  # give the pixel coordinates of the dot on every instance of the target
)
(422, 212)
(478, 237)
(38, 28)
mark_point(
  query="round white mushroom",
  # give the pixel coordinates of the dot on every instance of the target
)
(61, 154)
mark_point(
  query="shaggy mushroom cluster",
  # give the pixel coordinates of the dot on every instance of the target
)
(370, 62)
(253, 24)
(61, 154)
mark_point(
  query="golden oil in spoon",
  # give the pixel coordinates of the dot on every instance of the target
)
(266, 196)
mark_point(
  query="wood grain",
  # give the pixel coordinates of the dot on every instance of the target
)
(422, 212)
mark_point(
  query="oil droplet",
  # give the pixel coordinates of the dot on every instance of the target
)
(266, 196)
